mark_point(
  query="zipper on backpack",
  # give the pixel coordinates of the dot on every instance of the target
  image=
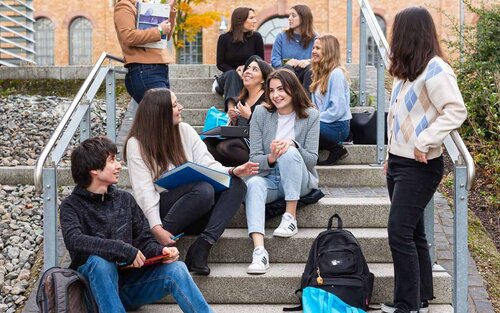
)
(319, 279)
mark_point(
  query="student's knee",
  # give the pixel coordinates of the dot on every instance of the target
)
(176, 271)
(291, 155)
(204, 192)
(256, 186)
(238, 185)
(97, 265)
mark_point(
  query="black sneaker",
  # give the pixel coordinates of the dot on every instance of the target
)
(390, 308)
(335, 155)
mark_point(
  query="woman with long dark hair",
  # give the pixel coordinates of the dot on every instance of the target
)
(157, 142)
(330, 93)
(234, 151)
(426, 105)
(292, 48)
(284, 142)
(233, 50)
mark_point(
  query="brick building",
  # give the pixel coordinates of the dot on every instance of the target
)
(76, 32)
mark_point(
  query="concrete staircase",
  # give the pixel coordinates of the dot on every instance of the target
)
(354, 189)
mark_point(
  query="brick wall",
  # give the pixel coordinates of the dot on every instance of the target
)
(329, 16)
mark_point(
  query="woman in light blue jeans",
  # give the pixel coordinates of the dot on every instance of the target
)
(284, 136)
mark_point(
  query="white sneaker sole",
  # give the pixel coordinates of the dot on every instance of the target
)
(286, 235)
(257, 271)
(390, 309)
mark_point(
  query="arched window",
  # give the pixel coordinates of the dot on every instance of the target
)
(371, 46)
(192, 52)
(80, 42)
(269, 30)
(44, 41)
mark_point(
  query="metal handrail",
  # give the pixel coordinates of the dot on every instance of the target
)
(383, 48)
(66, 118)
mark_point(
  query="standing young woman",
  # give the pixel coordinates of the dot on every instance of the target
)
(235, 151)
(330, 93)
(292, 48)
(158, 141)
(147, 67)
(284, 142)
(233, 50)
(426, 105)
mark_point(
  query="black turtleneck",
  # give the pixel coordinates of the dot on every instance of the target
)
(231, 54)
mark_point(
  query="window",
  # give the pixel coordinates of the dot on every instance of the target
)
(44, 41)
(269, 30)
(371, 46)
(192, 52)
(80, 42)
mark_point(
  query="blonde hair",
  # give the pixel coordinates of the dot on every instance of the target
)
(330, 47)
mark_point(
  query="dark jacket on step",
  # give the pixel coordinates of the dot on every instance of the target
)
(111, 226)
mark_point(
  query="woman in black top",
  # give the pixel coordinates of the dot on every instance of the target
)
(233, 50)
(235, 151)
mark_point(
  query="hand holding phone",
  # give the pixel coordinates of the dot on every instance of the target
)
(177, 236)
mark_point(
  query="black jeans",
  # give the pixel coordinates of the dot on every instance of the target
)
(232, 84)
(411, 185)
(196, 208)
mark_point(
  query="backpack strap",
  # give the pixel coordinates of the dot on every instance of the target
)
(88, 294)
(295, 308)
(339, 221)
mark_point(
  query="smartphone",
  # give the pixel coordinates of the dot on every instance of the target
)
(177, 237)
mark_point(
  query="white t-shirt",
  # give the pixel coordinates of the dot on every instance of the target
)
(286, 126)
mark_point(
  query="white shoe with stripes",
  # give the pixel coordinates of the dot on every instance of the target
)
(288, 226)
(260, 261)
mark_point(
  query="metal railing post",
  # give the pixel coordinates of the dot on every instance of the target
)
(85, 125)
(380, 109)
(460, 232)
(429, 229)
(349, 32)
(362, 60)
(50, 253)
(111, 105)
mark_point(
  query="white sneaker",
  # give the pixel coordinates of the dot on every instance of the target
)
(215, 86)
(260, 261)
(288, 226)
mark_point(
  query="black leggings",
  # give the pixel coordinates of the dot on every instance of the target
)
(229, 152)
(196, 208)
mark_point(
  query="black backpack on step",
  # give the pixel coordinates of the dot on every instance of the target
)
(336, 264)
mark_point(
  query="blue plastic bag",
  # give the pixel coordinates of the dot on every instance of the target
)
(317, 300)
(214, 118)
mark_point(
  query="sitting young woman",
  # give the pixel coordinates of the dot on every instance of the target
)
(157, 142)
(233, 50)
(284, 137)
(330, 93)
(235, 151)
(292, 47)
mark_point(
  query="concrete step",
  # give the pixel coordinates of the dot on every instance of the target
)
(355, 212)
(195, 84)
(229, 283)
(234, 246)
(330, 176)
(261, 308)
(198, 102)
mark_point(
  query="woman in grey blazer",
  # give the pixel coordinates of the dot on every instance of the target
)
(284, 137)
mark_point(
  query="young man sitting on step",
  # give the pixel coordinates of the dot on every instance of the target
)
(104, 229)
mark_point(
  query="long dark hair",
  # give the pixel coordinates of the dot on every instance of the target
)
(160, 140)
(238, 18)
(293, 88)
(414, 43)
(306, 25)
(265, 68)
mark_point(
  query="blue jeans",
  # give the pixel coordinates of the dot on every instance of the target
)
(119, 290)
(411, 185)
(289, 180)
(142, 77)
(335, 132)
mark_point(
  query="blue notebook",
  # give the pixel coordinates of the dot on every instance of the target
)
(190, 172)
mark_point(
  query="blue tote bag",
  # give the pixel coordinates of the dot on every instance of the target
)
(317, 300)
(214, 118)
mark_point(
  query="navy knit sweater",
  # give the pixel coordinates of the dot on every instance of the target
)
(111, 226)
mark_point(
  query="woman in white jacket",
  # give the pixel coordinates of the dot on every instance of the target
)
(157, 142)
(426, 105)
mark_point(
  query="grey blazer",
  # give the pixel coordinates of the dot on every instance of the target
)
(263, 127)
